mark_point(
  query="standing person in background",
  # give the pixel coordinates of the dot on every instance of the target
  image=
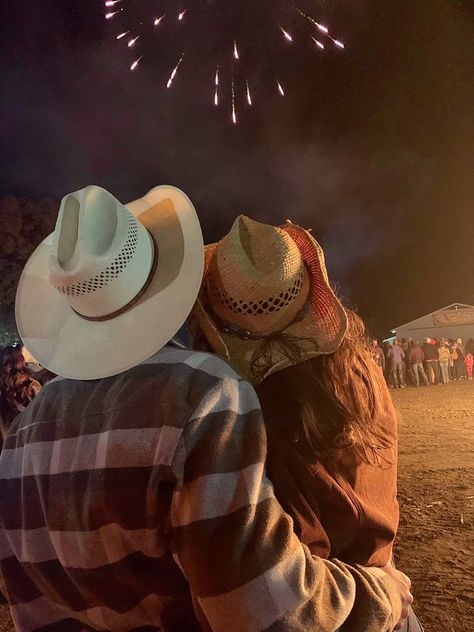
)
(415, 360)
(378, 355)
(469, 348)
(431, 361)
(443, 359)
(406, 366)
(469, 361)
(457, 355)
(460, 366)
(396, 356)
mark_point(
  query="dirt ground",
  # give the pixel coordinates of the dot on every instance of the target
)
(435, 545)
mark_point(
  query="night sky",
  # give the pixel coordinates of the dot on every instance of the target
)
(372, 147)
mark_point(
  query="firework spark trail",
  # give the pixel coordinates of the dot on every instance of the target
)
(234, 115)
(122, 34)
(236, 51)
(135, 63)
(132, 41)
(111, 3)
(216, 82)
(175, 70)
(323, 29)
(111, 14)
(280, 89)
(286, 34)
(249, 98)
(317, 42)
(182, 14)
(158, 20)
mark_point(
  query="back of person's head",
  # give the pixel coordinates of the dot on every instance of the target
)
(280, 325)
(266, 302)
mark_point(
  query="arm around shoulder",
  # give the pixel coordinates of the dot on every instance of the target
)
(235, 544)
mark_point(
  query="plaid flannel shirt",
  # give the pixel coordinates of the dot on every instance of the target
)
(140, 502)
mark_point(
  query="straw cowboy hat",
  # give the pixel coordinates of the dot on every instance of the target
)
(112, 284)
(265, 302)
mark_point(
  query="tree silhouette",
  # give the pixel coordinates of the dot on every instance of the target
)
(24, 223)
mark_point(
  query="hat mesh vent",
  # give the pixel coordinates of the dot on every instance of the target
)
(112, 271)
(263, 306)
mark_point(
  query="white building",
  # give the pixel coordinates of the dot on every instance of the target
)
(453, 321)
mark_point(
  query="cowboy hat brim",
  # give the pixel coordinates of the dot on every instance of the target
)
(76, 348)
(320, 332)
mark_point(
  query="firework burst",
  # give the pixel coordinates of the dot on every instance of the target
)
(243, 48)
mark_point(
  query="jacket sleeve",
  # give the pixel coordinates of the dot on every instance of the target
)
(235, 545)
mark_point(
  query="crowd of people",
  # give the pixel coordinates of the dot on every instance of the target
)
(247, 482)
(409, 363)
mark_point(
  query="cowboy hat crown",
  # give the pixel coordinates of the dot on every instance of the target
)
(258, 279)
(101, 256)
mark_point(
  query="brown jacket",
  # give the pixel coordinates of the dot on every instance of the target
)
(345, 509)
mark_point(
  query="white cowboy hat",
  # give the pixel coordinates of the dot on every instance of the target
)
(265, 302)
(105, 291)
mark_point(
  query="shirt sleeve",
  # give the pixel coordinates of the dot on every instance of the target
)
(246, 569)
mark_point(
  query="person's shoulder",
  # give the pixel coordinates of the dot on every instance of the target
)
(191, 362)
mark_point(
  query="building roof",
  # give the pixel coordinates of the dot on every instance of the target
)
(436, 311)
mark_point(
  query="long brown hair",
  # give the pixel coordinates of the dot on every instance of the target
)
(17, 387)
(329, 402)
